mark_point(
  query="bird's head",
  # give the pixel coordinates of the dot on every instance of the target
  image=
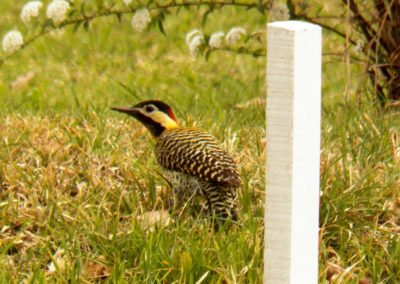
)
(155, 115)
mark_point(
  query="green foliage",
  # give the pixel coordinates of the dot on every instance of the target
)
(371, 34)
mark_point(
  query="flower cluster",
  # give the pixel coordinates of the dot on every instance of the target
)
(191, 34)
(12, 41)
(30, 10)
(216, 40)
(195, 40)
(57, 11)
(141, 19)
(235, 35)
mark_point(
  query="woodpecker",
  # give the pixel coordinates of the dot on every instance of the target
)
(192, 160)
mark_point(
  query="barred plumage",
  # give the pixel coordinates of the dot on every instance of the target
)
(193, 161)
(196, 153)
(201, 166)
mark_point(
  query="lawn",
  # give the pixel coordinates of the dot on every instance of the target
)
(77, 180)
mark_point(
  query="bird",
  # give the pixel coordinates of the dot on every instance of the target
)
(192, 160)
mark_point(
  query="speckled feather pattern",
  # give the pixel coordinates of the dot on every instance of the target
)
(196, 153)
(195, 163)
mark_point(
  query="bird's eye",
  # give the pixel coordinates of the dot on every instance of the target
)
(149, 108)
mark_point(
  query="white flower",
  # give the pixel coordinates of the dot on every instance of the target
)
(12, 41)
(30, 10)
(127, 2)
(216, 40)
(196, 42)
(57, 11)
(359, 46)
(235, 35)
(191, 34)
(141, 19)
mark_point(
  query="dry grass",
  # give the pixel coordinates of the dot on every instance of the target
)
(71, 189)
(76, 195)
(360, 183)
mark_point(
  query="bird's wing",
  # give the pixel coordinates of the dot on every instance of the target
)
(196, 153)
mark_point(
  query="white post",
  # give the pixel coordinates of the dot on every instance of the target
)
(293, 153)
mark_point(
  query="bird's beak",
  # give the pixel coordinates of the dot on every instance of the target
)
(127, 110)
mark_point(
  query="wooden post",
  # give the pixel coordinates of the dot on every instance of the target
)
(293, 153)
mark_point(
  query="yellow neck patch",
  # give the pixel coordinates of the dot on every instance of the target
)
(163, 119)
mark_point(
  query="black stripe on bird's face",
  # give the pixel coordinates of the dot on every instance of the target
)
(155, 128)
(153, 118)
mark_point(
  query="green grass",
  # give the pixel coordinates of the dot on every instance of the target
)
(77, 178)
